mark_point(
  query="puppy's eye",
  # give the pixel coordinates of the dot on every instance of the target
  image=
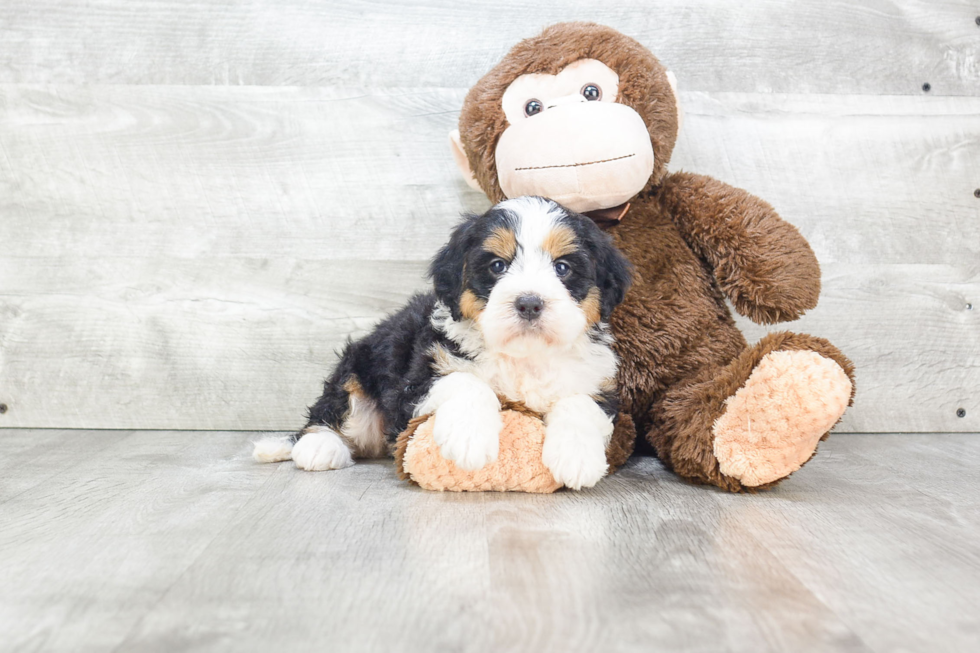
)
(562, 269)
(533, 107)
(591, 92)
(498, 266)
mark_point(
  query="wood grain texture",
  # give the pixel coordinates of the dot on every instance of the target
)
(190, 257)
(839, 46)
(868, 180)
(178, 541)
(194, 343)
(365, 174)
(190, 172)
(914, 569)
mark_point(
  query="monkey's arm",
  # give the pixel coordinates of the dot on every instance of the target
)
(763, 264)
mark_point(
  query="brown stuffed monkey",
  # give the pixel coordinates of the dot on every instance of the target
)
(588, 117)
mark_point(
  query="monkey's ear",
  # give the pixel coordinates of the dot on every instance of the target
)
(459, 156)
(672, 80)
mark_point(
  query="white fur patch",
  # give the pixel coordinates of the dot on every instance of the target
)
(542, 377)
(273, 449)
(468, 423)
(321, 449)
(364, 427)
(537, 218)
(531, 272)
(576, 435)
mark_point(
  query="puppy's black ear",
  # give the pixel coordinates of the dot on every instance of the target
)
(448, 266)
(613, 272)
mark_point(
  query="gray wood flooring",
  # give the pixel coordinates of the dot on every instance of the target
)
(177, 541)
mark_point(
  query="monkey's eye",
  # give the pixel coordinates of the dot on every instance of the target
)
(591, 92)
(498, 266)
(562, 269)
(533, 107)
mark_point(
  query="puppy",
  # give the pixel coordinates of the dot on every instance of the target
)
(521, 296)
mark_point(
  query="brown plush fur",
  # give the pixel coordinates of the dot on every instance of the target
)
(621, 444)
(693, 241)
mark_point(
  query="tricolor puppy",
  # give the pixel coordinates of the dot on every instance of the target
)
(521, 296)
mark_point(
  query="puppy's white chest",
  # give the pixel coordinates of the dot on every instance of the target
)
(540, 381)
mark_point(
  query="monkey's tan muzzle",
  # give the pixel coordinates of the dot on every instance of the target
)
(587, 155)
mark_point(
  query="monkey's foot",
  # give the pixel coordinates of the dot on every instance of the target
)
(773, 423)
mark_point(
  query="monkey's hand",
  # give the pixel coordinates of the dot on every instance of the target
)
(763, 264)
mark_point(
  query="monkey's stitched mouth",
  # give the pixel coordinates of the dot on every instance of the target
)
(577, 165)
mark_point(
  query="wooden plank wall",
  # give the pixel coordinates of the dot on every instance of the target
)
(200, 199)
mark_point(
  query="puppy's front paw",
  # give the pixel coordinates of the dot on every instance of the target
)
(467, 430)
(321, 449)
(573, 460)
(575, 441)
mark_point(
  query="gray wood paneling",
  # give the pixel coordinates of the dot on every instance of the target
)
(170, 541)
(837, 46)
(869, 179)
(189, 257)
(335, 174)
(191, 343)
(191, 172)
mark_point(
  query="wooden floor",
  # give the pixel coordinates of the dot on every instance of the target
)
(173, 541)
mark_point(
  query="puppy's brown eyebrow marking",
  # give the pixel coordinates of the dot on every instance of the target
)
(502, 242)
(559, 242)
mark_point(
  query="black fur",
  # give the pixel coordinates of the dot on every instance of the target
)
(462, 264)
(392, 364)
(609, 403)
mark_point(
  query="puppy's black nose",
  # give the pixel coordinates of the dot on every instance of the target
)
(529, 307)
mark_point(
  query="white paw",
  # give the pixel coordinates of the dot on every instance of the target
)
(574, 460)
(468, 433)
(576, 435)
(468, 423)
(273, 449)
(320, 449)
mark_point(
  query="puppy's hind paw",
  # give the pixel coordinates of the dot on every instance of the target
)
(321, 449)
(273, 449)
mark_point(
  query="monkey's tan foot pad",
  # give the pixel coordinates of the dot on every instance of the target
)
(772, 424)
